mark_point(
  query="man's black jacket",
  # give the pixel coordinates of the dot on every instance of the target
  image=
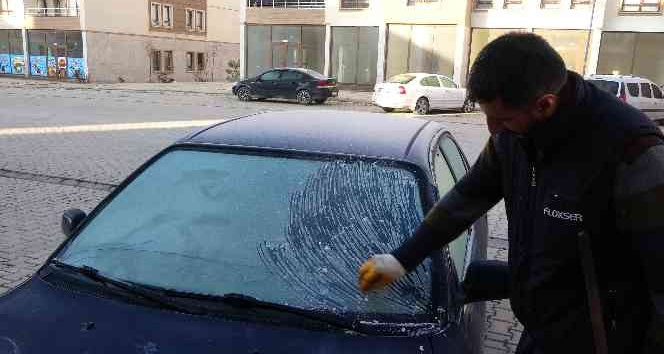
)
(597, 165)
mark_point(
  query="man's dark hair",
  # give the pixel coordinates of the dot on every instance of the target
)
(517, 67)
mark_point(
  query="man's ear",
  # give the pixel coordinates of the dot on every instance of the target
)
(546, 106)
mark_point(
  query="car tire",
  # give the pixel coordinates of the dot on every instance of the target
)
(244, 94)
(422, 106)
(387, 109)
(321, 101)
(468, 107)
(304, 97)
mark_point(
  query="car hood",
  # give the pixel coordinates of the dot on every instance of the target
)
(39, 317)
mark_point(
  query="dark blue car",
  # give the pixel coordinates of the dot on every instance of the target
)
(304, 85)
(246, 238)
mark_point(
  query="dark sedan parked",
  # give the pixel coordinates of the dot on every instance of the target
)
(246, 237)
(304, 85)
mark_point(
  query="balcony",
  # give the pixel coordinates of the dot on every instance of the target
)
(287, 4)
(52, 11)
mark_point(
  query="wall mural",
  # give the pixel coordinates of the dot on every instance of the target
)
(5, 64)
(76, 68)
(18, 64)
(38, 65)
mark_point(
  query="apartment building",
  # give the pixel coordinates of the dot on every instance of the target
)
(123, 40)
(362, 42)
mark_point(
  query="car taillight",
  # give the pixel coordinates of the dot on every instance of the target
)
(325, 84)
(623, 97)
(402, 90)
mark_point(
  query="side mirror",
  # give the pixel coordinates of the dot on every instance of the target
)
(71, 219)
(486, 280)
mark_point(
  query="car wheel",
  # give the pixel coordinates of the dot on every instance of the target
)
(468, 106)
(244, 94)
(321, 101)
(422, 106)
(304, 97)
(387, 109)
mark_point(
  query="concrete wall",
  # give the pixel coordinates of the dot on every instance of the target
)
(531, 15)
(111, 56)
(269, 16)
(441, 12)
(123, 16)
(13, 19)
(223, 21)
(614, 21)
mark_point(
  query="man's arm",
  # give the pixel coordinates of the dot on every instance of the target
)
(470, 198)
(639, 198)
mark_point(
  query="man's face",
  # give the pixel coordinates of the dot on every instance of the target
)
(518, 120)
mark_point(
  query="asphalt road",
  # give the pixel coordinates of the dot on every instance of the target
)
(63, 147)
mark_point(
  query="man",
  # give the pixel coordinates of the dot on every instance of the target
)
(566, 157)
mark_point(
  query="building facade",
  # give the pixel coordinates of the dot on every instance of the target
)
(363, 42)
(128, 41)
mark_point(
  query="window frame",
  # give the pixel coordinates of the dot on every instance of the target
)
(189, 61)
(576, 3)
(156, 58)
(443, 79)
(509, 4)
(641, 5)
(358, 4)
(168, 61)
(170, 15)
(483, 5)
(200, 15)
(160, 19)
(189, 21)
(629, 89)
(550, 4)
(200, 66)
(421, 2)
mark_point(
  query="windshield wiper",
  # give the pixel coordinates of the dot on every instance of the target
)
(131, 288)
(245, 301)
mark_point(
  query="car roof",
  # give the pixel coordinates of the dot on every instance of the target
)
(617, 78)
(330, 132)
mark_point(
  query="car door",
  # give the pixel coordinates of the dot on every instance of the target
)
(266, 85)
(658, 98)
(453, 95)
(647, 102)
(289, 82)
(431, 89)
(633, 93)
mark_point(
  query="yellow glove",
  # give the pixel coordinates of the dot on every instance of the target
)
(379, 271)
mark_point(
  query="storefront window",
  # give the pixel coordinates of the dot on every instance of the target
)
(38, 53)
(421, 48)
(570, 44)
(628, 53)
(354, 54)
(284, 46)
(480, 37)
(11, 52)
(56, 54)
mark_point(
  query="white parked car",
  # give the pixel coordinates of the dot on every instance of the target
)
(420, 93)
(637, 91)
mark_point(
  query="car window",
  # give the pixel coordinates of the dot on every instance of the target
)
(430, 81)
(447, 83)
(633, 89)
(645, 90)
(270, 75)
(314, 74)
(455, 161)
(608, 86)
(290, 75)
(401, 79)
(285, 230)
(656, 92)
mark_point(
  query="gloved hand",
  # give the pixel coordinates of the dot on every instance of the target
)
(379, 271)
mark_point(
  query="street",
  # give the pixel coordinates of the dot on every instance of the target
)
(68, 146)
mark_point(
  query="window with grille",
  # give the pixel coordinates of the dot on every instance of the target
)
(168, 61)
(156, 61)
(189, 61)
(415, 2)
(200, 61)
(155, 14)
(168, 15)
(483, 4)
(354, 4)
(550, 4)
(576, 3)
(512, 3)
(641, 6)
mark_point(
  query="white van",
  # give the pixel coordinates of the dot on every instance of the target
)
(637, 91)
